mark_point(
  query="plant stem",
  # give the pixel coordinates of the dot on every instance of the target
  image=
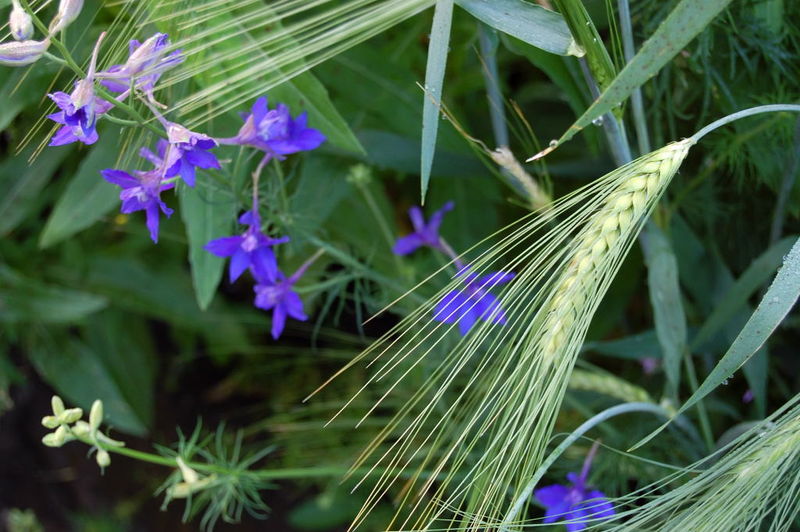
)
(787, 184)
(601, 417)
(743, 114)
(629, 50)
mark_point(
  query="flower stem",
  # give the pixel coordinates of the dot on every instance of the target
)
(742, 114)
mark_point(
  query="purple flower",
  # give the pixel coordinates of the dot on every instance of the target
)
(80, 109)
(576, 503)
(748, 396)
(252, 249)
(188, 150)
(275, 132)
(146, 62)
(425, 234)
(474, 302)
(141, 192)
(278, 296)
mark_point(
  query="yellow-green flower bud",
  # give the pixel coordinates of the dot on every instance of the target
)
(96, 414)
(103, 458)
(57, 404)
(50, 422)
(57, 438)
(71, 415)
(81, 429)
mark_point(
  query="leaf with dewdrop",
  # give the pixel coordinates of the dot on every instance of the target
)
(479, 424)
(688, 19)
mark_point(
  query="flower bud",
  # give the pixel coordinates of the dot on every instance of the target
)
(55, 439)
(96, 415)
(103, 458)
(68, 11)
(71, 415)
(189, 475)
(50, 422)
(20, 23)
(57, 405)
(22, 53)
(81, 429)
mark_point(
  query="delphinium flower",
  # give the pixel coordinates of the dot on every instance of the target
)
(575, 503)
(80, 109)
(141, 191)
(20, 22)
(474, 302)
(425, 234)
(278, 295)
(146, 63)
(188, 150)
(252, 249)
(275, 132)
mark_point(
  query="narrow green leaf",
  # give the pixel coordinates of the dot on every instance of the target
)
(634, 347)
(589, 40)
(434, 82)
(21, 183)
(533, 24)
(30, 301)
(689, 18)
(773, 308)
(735, 299)
(80, 375)
(665, 298)
(88, 197)
(208, 212)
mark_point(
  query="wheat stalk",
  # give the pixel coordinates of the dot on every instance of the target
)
(477, 426)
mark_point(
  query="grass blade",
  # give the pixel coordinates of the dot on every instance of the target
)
(527, 22)
(434, 80)
(689, 18)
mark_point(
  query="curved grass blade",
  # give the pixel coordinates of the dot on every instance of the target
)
(434, 81)
(776, 304)
(533, 24)
(689, 18)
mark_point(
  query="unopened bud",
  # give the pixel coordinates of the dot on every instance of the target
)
(50, 422)
(57, 405)
(81, 429)
(189, 474)
(55, 439)
(68, 11)
(103, 458)
(360, 175)
(22, 53)
(71, 415)
(96, 414)
(20, 23)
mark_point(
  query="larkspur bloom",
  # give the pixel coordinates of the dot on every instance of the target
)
(142, 190)
(146, 63)
(20, 22)
(21, 53)
(275, 132)
(425, 234)
(576, 503)
(474, 302)
(252, 249)
(188, 150)
(79, 110)
(278, 295)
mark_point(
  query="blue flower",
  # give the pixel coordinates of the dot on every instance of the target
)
(474, 302)
(575, 503)
(141, 192)
(146, 63)
(278, 295)
(80, 109)
(188, 150)
(275, 132)
(425, 234)
(252, 249)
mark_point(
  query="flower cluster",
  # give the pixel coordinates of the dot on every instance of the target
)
(179, 152)
(474, 301)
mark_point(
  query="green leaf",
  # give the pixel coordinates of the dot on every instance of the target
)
(21, 184)
(208, 212)
(434, 82)
(81, 374)
(735, 299)
(633, 347)
(689, 18)
(88, 197)
(665, 298)
(773, 308)
(27, 300)
(533, 24)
